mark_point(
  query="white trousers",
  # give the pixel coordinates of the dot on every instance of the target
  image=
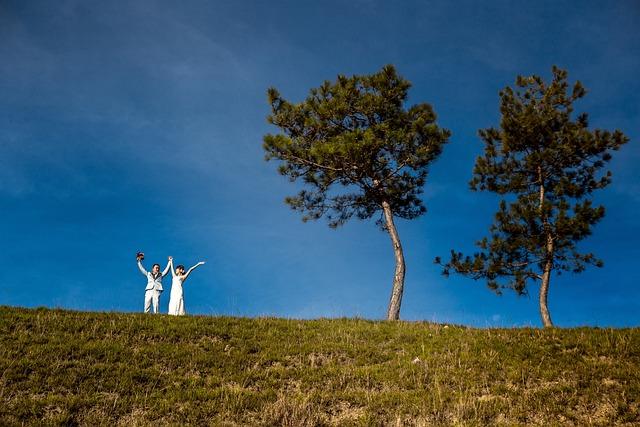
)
(151, 298)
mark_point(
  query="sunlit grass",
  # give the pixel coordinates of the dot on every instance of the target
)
(64, 367)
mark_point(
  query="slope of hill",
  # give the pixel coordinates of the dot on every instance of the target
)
(64, 367)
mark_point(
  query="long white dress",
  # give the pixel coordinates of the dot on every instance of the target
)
(176, 299)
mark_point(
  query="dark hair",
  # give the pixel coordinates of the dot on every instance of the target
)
(155, 265)
(180, 267)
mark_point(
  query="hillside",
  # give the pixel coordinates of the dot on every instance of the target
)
(65, 367)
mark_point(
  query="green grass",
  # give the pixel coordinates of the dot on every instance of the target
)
(65, 367)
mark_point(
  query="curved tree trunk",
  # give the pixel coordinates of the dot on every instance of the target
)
(548, 265)
(544, 286)
(393, 312)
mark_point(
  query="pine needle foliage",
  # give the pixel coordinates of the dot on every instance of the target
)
(546, 165)
(358, 151)
(355, 133)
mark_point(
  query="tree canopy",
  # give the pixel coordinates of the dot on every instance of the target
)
(355, 132)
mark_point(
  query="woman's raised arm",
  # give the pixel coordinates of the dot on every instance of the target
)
(184, 277)
(173, 272)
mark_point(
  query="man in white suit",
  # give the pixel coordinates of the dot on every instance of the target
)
(154, 284)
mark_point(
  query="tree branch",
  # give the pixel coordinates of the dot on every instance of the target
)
(311, 163)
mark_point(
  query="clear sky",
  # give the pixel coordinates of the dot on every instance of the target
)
(137, 125)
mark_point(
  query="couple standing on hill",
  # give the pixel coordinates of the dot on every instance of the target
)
(154, 285)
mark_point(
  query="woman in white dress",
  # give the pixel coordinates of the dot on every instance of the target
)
(176, 299)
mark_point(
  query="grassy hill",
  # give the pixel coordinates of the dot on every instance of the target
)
(64, 367)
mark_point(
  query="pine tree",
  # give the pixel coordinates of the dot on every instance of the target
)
(359, 152)
(546, 165)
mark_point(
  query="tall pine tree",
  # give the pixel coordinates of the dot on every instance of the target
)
(547, 165)
(359, 152)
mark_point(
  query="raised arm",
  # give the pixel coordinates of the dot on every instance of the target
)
(173, 272)
(141, 268)
(166, 269)
(184, 277)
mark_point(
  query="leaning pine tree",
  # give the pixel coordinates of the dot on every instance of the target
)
(549, 164)
(359, 152)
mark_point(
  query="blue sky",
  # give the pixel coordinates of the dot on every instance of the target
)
(137, 125)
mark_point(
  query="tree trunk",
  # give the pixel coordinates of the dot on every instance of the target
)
(544, 286)
(548, 264)
(393, 312)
